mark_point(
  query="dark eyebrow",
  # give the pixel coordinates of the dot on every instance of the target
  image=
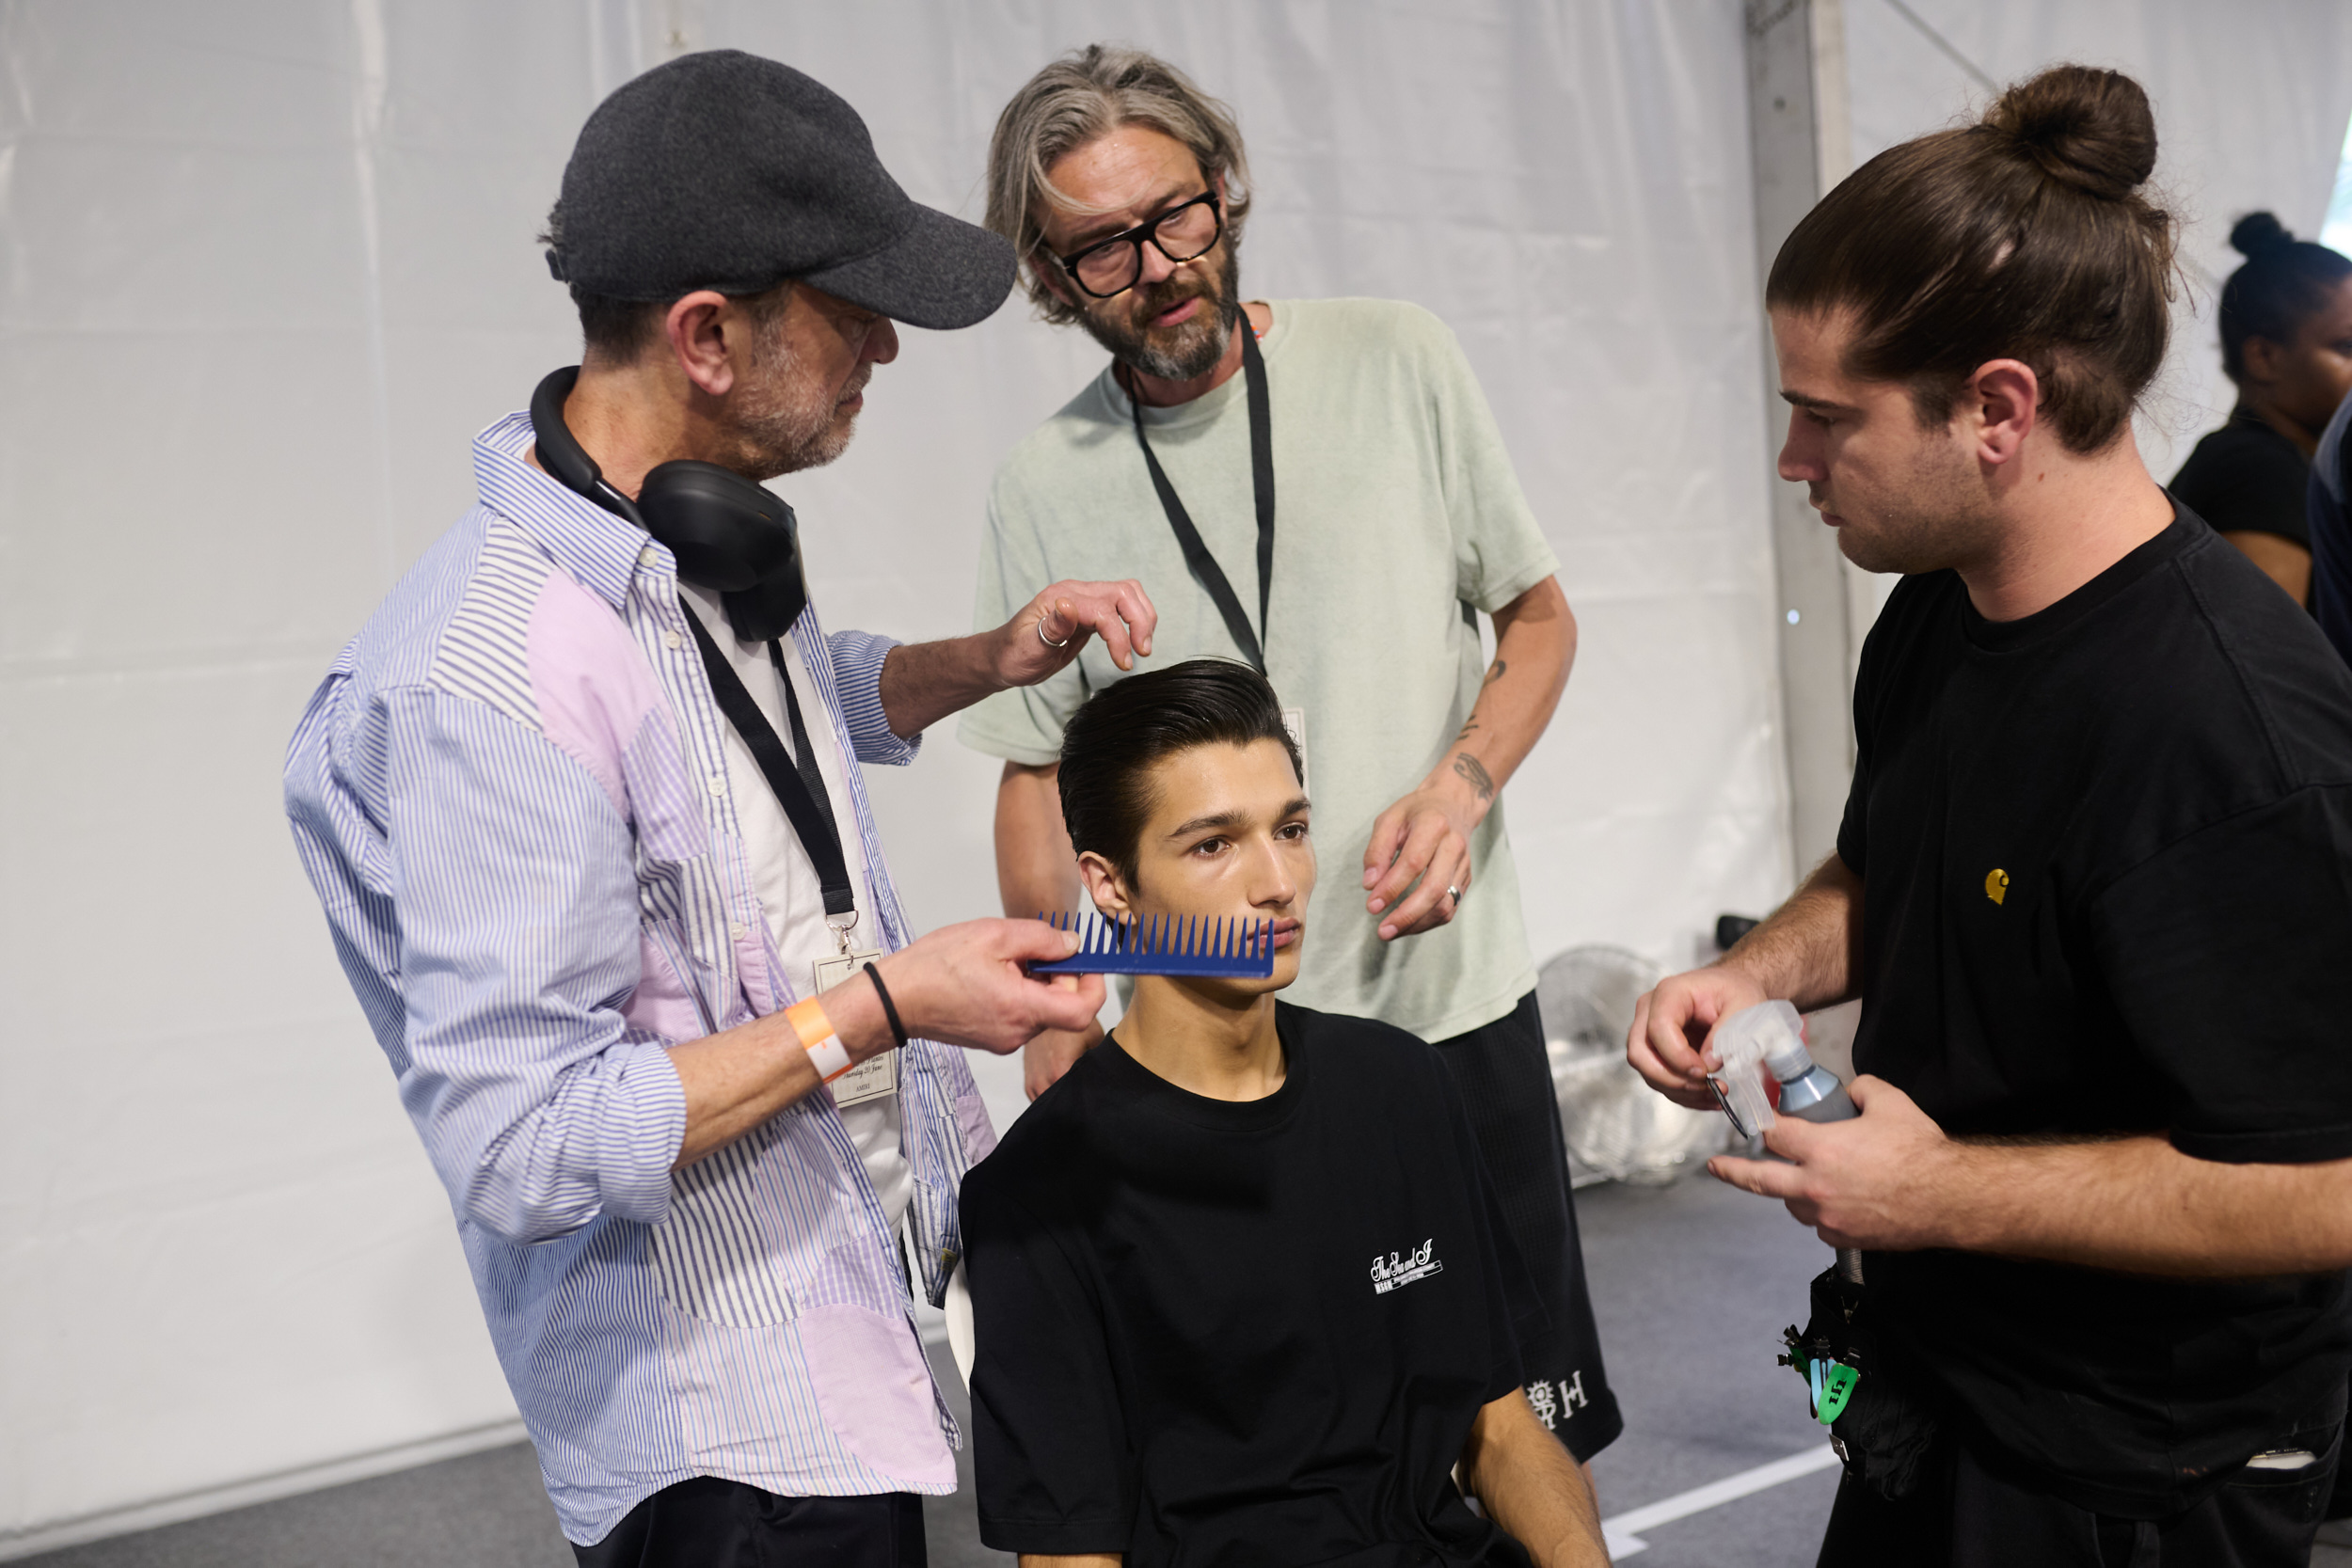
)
(1806, 400)
(1100, 231)
(1226, 821)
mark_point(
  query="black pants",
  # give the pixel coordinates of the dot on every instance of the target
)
(1965, 1515)
(709, 1523)
(1505, 1080)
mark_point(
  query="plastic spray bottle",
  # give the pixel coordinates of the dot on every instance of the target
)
(1769, 1037)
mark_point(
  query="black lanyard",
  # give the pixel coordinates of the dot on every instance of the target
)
(1204, 568)
(799, 787)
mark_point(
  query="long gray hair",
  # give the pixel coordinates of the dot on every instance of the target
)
(1086, 94)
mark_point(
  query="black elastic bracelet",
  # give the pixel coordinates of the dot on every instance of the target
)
(897, 1030)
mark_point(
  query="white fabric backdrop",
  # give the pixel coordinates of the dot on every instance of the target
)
(265, 267)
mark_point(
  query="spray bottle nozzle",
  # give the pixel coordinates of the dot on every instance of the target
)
(1748, 1043)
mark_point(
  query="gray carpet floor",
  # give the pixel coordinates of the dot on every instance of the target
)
(1691, 1284)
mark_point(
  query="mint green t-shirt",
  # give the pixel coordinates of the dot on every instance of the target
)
(1395, 510)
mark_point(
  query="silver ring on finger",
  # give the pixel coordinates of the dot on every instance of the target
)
(1453, 894)
(1047, 640)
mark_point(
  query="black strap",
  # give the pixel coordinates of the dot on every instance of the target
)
(890, 1008)
(1204, 568)
(799, 787)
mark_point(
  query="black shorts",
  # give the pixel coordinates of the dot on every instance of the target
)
(1505, 1080)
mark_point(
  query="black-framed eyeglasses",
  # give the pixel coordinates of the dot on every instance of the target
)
(1186, 232)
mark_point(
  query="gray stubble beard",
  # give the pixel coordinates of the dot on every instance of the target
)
(1195, 347)
(784, 423)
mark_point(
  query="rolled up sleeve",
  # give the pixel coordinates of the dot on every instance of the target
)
(857, 666)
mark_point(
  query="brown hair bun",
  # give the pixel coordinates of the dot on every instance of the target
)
(2024, 236)
(2091, 129)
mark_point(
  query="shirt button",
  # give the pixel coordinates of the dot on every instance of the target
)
(648, 555)
(718, 784)
(739, 930)
(672, 641)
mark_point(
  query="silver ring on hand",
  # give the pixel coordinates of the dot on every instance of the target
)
(1453, 892)
(1047, 640)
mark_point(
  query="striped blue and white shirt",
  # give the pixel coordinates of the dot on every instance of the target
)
(512, 795)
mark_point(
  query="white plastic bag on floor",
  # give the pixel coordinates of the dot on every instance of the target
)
(1618, 1128)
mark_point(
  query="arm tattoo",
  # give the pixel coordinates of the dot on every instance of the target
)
(1475, 771)
(1494, 674)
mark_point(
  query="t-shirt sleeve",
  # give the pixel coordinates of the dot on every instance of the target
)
(1499, 552)
(1049, 1447)
(2226, 954)
(1025, 723)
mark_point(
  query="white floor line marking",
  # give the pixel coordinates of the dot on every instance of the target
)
(1619, 1532)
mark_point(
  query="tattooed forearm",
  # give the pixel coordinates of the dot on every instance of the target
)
(1468, 724)
(1475, 771)
(1494, 672)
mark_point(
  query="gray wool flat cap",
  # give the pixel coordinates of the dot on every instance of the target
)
(724, 170)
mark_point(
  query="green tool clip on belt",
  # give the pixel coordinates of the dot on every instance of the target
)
(1832, 1389)
(1884, 1428)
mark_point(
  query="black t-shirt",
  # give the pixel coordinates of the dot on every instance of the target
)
(2247, 478)
(2107, 855)
(1218, 1332)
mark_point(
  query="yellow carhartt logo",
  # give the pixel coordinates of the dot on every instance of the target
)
(1996, 884)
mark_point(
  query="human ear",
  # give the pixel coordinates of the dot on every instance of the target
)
(1048, 272)
(1103, 885)
(2259, 360)
(2000, 407)
(696, 326)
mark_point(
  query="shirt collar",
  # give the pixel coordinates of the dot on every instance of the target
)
(603, 551)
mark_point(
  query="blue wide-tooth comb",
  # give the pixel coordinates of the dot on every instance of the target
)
(1222, 949)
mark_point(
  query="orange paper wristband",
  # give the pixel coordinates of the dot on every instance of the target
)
(825, 1051)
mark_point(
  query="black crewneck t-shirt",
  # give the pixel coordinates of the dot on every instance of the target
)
(2106, 858)
(1254, 1333)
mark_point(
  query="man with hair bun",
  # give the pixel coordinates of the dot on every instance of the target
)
(2286, 342)
(2090, 887)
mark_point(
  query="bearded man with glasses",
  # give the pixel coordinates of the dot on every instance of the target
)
(1315, 488)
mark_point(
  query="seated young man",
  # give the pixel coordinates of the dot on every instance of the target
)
(1241, 1294)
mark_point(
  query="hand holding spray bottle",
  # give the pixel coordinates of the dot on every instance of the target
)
(1769, 1037)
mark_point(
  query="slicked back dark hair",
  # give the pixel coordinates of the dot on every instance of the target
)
(1111, 744)
(2023, 237)
(2285, 280)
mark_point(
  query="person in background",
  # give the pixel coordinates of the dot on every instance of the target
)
(1180, 1354)
(1316, 487)
(2330, 513)
(584, 805)
(2329, 509)
(2286, 341)
(2091, 887)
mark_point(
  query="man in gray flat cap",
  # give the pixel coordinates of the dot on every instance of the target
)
(580, 802)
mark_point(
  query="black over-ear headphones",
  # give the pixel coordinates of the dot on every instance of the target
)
(729, 535)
